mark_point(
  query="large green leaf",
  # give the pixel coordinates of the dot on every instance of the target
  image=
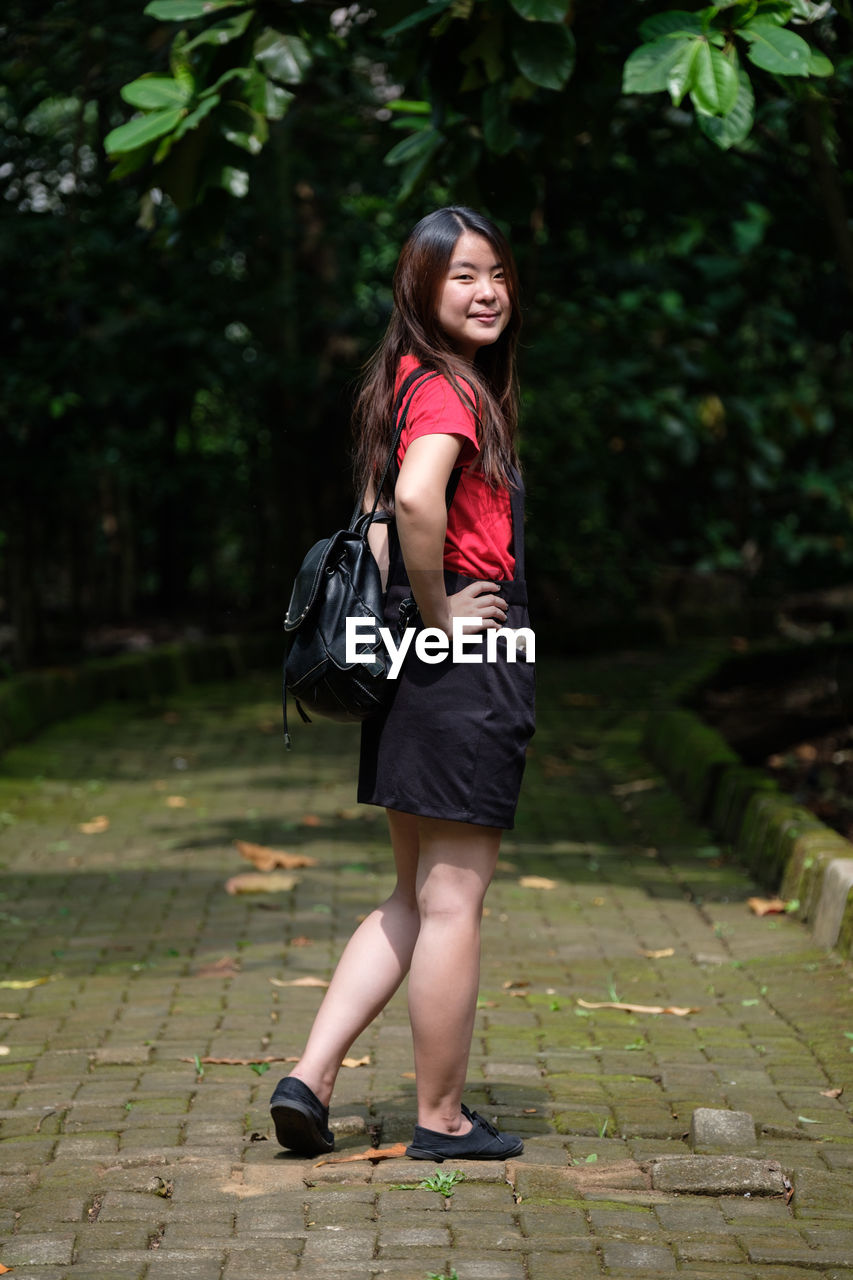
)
(185, 10)
(778, 11)
(194, 119)
(545, 53)
(682, 72)
(677, 22)
(154, 93)
(421, 15)
(648, 68)
(819, 64)
(144, 129)
(732, 129)
(223, 32)
(774, 48)
(282, 57)
(424, 142)
(715, 82)
(542, 10)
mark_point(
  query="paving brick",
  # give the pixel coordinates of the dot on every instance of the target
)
(713, 1130)
(638, 1258)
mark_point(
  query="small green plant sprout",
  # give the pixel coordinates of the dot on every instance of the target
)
(439, 1275)
(603, 1127)
(443, 1183)
(199, 1069)
(259, 1068)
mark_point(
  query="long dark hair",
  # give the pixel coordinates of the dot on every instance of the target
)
(489, 387)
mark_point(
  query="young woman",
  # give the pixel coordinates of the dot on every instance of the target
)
(447, 759)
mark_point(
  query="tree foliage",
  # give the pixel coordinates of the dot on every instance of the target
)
(180, 362)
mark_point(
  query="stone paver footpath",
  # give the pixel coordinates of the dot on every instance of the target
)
(128, 1154)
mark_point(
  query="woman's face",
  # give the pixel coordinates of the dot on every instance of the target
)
(473, 305)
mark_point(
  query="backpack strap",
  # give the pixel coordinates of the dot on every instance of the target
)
(400, 404)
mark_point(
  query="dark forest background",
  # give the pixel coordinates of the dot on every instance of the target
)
(181, 344)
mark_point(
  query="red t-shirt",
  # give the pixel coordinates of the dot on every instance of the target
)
(479, 522)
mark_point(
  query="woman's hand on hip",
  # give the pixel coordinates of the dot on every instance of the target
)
(482, 601)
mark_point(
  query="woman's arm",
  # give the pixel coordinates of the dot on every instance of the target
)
(421, 514)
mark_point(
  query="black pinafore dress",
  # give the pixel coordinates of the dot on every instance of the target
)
(453, 742)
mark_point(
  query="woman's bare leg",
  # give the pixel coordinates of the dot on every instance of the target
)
(374, 963)
(456, 862)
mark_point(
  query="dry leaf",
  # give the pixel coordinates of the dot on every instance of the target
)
(268, 859)
(5, 1050)
(10, 1016)
(302, 942)
(502, 865)
(223, 968)
(537, 882)
(176, 802)
(95, 826)
(408, 1075)
(22, 984)
(299, 982)
(235, 1062)
(659, 955)
(631, 788)
(520, 982)
(260, 882)
(4, 1270)
(831, 1093)
(311, 820)
(679, 1011)
(598, 902)
(357, 1062)
(373, 1153)
(767, 906)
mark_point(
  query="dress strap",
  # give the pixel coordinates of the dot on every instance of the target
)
(516, 502)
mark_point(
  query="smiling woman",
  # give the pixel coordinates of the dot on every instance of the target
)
(447, 759)
(474, 306)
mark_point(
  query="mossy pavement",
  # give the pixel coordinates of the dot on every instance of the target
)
(125, 1156)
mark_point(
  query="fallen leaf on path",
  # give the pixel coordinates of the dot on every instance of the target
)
(10, 1016)
(357, 1062)
(373, 1154)
(301, 942)
(3, 1269)
(537, 882)
(501, 865)
(679, 1011)
(260, 882)
(659, 955)
(516, 982)
(311, 820)
(176, 802)
(767, 906)
(95, 825)
(226, 967)
(831, 1093)
(638, 784)
(4, 1050)
(22, 984)
(299, 982)
(235, 1062)
(408, 1075)
(266, 859)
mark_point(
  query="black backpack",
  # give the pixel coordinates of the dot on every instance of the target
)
(339, 578)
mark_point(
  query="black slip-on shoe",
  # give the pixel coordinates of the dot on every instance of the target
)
(301, 1121)
(482, 1142)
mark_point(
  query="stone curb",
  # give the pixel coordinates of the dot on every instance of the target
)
(785, 845)
(30, 702)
